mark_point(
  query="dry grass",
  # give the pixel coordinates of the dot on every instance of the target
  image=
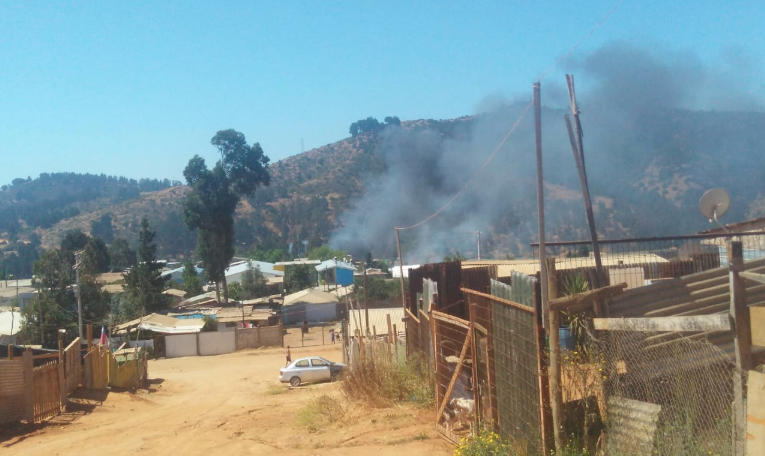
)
(382, 384)
(320, 412)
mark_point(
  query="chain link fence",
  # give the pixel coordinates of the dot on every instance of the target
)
(656, 393)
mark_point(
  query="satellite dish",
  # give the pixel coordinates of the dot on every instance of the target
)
(714, 204)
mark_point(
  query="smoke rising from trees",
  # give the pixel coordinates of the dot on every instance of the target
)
(660, 128)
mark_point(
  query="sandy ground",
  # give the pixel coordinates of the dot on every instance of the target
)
(229, 404)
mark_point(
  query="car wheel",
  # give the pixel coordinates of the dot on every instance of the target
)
(335, 376)
(295, 381)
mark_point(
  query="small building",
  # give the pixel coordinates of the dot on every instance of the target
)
(176, 296)
(230, 318)
(335, 272)
(396, 271)
(235, 270)
(176, 275)
(312, 305)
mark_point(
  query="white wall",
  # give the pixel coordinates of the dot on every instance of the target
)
(217, 342)
(180, 345)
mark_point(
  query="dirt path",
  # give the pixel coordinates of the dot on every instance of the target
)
(230, 404)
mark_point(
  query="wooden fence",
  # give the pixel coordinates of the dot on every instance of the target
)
(73, 366)
(47, 382)
(12, 402)
(96, 362)
(128, 374)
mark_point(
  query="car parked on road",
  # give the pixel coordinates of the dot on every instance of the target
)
(311, 369)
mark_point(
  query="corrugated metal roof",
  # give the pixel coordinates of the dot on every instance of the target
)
(335, 264)
(310, 296)
(265, 268)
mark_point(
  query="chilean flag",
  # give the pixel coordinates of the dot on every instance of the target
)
(103, 336)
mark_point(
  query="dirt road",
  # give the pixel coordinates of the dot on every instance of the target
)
(229, 404)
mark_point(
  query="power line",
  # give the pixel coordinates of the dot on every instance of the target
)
(582, 40)
(523, 114)
(485, 163)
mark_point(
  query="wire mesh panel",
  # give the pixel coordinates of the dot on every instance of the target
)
(638, 262)
(687, 380)
(453, 373)
(508, 385)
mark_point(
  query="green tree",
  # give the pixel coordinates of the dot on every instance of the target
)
(102, 228)
(324, 253)
(254, 283)
(209, 207)
(56, 305)
(122, 256)
(456, 256)
(75, 241)
(192, 284)
(299, 277)
(235, 291)
(269, 256)
(144, 284)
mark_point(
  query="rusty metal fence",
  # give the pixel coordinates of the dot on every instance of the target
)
(509, 366)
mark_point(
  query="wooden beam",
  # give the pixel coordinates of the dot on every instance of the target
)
(586, 298)
(742, 342)
(753, 276)
(717, 322)
(455, 376)
(497, 299)
(757, 322)
(450, 319)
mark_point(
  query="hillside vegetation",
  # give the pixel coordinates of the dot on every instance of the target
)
(649, 186)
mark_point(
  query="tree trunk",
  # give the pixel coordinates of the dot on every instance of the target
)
(217, 291)
(225, 290)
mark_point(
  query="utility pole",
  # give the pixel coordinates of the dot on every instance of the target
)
(577, 147)
(366, 302)
(540, 199)
(479, 245)
(401, 269)
(77, 264)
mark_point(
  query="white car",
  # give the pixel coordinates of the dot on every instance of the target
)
(312, 369)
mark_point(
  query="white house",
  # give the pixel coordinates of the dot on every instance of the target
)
(235, 271)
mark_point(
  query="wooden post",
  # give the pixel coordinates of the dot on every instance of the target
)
(366, 301)
(540, 196)
(29, 387)
(742, 338)
(401, 268)
(544, 377)
(556, 392)
(390, 328)
(60, 347)
(577, 147)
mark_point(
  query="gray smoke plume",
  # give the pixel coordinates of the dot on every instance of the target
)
(643, 116)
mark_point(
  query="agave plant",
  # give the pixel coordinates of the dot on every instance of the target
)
(579, 323)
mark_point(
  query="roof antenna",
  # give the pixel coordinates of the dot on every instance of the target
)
(715, 204)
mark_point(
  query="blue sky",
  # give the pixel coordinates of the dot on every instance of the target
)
(137, 88)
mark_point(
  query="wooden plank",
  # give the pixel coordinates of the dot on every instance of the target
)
(757, 323)
(755, 419)
(500, 300)
(742, 339)
(586, 298)
(46, 356)
(753, 276)
(450, 319)
(719, 322)
(456, 375)
(29, 391)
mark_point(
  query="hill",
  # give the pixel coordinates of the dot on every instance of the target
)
(647, 176)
